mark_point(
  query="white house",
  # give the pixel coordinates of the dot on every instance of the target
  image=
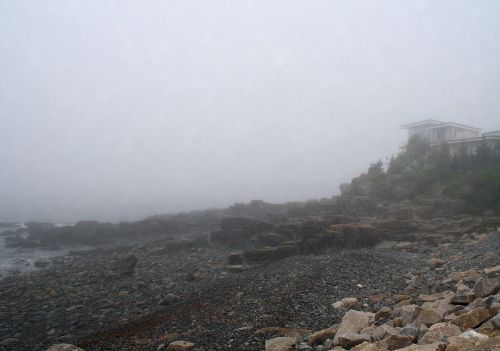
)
(457, 136)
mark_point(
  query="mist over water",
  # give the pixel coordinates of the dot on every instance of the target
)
(119, 110)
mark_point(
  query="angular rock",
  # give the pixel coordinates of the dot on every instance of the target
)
(440, 332)
(441, 307)
(352, 323)
(437, 346)
(428, 318)
(395, 342)
(383, 331)
(471, 319)
(465, 340)
(400, 297)
(348, 341)
(384, 312)
(365, 346)
(282, 343)
(410, 330)
(347, 302)
(492, 270)
(496, 321)
(457, 343)
(473, 336)
(487, 287)
(445, 295)
(409, 313)
(320, 336)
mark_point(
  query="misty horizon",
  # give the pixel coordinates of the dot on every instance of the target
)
(117, 111)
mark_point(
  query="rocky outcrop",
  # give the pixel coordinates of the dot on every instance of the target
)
(235, 231)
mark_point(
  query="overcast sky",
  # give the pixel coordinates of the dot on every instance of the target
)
(121, 109)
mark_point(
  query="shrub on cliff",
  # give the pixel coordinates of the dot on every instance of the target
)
(422, 169)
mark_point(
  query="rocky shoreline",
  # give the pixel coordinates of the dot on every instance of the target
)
(290, 278)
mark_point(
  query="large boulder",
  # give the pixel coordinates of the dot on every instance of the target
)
(487, 287)
(472, 319)
(439, 332)
(236, 230)
(281, 344)
(351, 324)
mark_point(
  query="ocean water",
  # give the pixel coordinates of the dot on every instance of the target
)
(22, 260)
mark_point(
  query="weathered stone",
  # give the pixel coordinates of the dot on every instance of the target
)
(350, 301)
(397, 322)
(492, 344)
(473, 335)
(348, 341)
(320, 336)
(376, 298)
(496, 321)
(441, 307)
(486, 287)
(409, 313)
(282, 343)
(347, 302)
(445, 295)
(395, 342)
(338, 305)
(180, 345)
(437, 346)
(440, 332)
(384, 312)
(383, 331)
(492, 270)
(401, 297)
(464, 295)
(64, 347)
(303, 347)
(352, 323)
(468, 275)
(457, 343)
(365, 346)
(428, 317)
(471, 319)
(465, 340)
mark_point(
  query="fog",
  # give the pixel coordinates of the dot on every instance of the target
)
(120, 109)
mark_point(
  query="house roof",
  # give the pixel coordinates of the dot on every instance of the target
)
(427, 122)
(453, 124)
(493, 132)
(432, 123)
